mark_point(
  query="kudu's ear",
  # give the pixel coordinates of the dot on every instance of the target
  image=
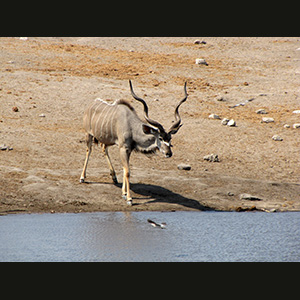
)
(149, 129)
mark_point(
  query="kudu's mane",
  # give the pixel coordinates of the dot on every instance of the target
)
(124, 102)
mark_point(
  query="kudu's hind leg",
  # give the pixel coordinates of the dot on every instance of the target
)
(111, 168)
(89, 142)
(124, 155)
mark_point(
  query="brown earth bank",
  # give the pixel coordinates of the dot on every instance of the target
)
(46, 83)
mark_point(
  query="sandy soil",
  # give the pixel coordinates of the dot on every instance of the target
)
(51, 80)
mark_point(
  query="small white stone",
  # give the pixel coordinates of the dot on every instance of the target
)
(286, 126)
(201, 61)
(214, 116)
(296, 125)
(212, 158)
(261, 111)
(296, 111)
(224, 121)
(277, 138)
(231, 123)
(267, 120)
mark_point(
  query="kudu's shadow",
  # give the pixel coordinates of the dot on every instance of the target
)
(163, 195)
(158, 194)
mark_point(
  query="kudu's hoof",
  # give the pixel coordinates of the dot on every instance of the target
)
(81, 180)
(115, 180)
(128, 200)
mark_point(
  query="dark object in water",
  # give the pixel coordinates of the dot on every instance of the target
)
(162, 225)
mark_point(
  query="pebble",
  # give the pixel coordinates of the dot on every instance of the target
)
(214, 116)
(42, 115)
(261, 111)
(231, 123)
(267, 120)
(211, 158)
(221, 99)
(3, 147)
(277, 138)
(249, 197)
(184, 167)
(224, 121)
(296, 111)
(198, 42)
(242, 103)
(297, 125)
(286, 126)
(15, 109)
(201, 61)
(228, 122)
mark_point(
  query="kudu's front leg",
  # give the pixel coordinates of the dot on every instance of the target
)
(124, 155)
(89, 142)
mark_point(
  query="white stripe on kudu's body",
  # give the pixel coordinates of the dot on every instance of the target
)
(119, 124)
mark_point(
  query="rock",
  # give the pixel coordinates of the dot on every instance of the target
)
(184, 167)
(198, 42)
(296, 125)
(241, 209)
(201, 61)
(242, 103)
(214, 116)
(220, 98)
(15, 109)
(231, 123)
(211, 158)
(3, 147)
(277, 138)
(42, 115)
(228, 122)
(296, 111)
(267, 120)
(224, 121)
(286, 126)
(261, 111)
(249, 197)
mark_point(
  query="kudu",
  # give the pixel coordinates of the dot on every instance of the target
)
(118, 124)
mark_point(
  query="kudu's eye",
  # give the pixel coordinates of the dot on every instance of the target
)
(160, 138)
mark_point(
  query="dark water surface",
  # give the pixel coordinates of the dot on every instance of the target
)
(127, 236)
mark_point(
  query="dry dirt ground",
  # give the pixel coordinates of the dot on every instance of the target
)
(51, 80)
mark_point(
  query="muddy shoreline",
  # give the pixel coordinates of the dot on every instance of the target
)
(51, 80)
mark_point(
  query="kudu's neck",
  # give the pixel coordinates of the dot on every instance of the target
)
(144, 143)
